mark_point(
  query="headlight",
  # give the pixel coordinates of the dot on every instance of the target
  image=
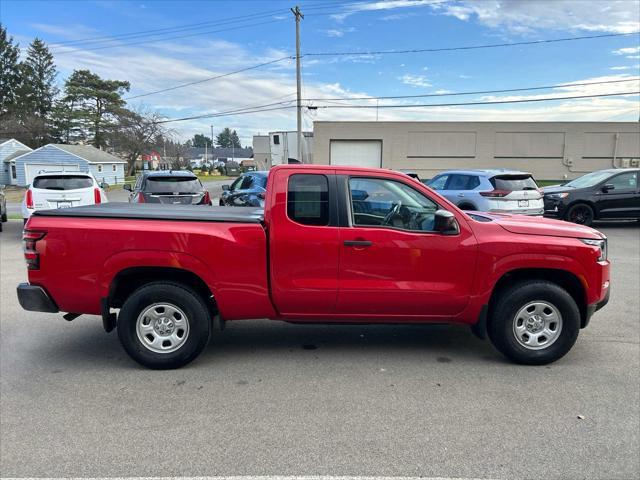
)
(601, 244)
(557, 196)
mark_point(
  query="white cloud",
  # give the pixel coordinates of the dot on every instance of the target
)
(337, 32)
(525, 16)
(627, 51)
(415, 80)
(627, 67)
(380, 5)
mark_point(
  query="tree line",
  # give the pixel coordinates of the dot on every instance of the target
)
(87, 109)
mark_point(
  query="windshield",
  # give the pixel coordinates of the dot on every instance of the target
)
(173, 185)
(588, 180)
(63, 182)
(514, 182)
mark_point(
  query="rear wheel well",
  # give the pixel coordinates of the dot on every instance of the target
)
(129, 280)
(566, 280)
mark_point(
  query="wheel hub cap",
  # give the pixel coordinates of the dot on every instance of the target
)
(537, 325)
(163, 326)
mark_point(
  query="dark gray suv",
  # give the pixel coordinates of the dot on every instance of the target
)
(171, 187)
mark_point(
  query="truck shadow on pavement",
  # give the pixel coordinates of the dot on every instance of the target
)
(260, 341)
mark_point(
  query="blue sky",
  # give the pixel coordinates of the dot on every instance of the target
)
(252, 32)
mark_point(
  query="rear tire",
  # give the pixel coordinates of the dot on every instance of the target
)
(4, 217)
(164, 325)
(580, 213)
(534, 323)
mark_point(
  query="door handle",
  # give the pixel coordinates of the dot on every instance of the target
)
(461, 194)
(357, 243)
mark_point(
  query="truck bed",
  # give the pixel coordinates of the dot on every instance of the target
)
(152, 211)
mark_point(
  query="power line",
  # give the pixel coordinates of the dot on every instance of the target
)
(67, 51)
(477, 92)
(488, 102)
(252, 67)
(226, 114)
(469, 47)
(192, 26)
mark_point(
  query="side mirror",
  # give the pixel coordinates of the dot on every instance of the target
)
(127, 186)
(445, 223)
(225, 188)
(607, 187)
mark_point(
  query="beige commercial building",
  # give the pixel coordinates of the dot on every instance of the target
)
(549, 150)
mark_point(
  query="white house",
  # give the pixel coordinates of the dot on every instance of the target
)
(10, 148)
(55, 157)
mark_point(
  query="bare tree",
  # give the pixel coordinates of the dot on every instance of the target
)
(136, 133)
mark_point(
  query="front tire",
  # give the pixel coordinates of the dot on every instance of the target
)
(534, 323)
(164, 325)
(580, 213)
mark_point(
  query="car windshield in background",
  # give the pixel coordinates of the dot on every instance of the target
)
(588, 180)
(514, 182)
(63, 182)
(173, 185)
(260, 181)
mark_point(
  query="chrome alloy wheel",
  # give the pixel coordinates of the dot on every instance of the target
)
(537, 325)
(162, 328)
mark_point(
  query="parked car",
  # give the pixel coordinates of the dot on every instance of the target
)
(604, 194)
(169, 187)
(3, 207)
(51, 190)
(333, 245)
(248, 190)
(500, 191)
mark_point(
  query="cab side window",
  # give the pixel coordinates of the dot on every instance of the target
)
(377, 202)
(308, 199)
(624, 182)
(237, 184)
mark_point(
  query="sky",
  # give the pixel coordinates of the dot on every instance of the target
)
(158, 45)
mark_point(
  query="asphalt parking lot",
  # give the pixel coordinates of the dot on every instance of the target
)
(269, 398)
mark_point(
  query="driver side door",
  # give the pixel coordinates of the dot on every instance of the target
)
(392, 263)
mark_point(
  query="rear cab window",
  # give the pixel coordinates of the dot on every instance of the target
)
(172, 185)
(513, 183)
(62, 182)
(308, 199)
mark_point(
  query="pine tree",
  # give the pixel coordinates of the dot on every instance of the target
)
(228, 138)
(9, 73)
(38, 90)
(92, 105)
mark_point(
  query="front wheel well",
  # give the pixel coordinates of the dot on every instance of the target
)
(589, 204)
(564, 279)
(129, 280)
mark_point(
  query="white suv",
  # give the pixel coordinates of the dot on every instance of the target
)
(61, 190)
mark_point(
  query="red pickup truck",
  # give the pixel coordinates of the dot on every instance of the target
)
(332, 245)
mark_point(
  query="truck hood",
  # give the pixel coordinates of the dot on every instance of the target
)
(542, 226)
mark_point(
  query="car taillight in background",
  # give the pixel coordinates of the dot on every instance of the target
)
(97, 198)
(28, 198)
(31, 256)
(495, 193)
(207, 198)
(140, 197)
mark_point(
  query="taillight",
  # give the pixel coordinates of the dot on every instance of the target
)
(31, 256)
(140, 197)
(97, 198)
(29, 198)
(261, 195)
(495, 193)
(207, 198)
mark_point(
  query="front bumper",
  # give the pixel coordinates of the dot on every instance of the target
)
(35, 299)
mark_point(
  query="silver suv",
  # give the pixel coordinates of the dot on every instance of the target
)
(500, 191)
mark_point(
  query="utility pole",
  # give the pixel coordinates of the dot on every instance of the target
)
(212, 144)
(298, 14)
